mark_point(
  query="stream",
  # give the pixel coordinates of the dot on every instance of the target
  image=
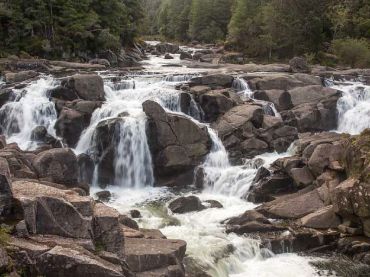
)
(209, 248)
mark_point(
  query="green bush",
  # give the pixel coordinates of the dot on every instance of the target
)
(353, 52)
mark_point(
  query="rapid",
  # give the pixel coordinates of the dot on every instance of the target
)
(209, 247)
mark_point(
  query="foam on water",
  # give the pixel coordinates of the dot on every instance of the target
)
(353, 107)
(31, 108)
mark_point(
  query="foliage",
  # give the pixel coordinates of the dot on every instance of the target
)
(67, 28)
(354, 52)
(266, 29)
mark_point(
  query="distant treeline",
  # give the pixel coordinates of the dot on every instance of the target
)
(67, 28)
(269, 29)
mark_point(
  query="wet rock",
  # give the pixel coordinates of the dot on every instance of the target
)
(269, 187)
(135, 214)
(215, 104)
(87, 87)
(106, 139)
(254, 227)
(216, 80)
(213, 204)
(129, 222)
(168, 57)
(186, 204)
(280, 98)
(58, 166)
(318, 115)
(299, 65)
(298, 240)
(17, 77)
(177, 144)
(5, 96)
(86, 167)
(246, 217)
(185, 55)
(70, 125)
(104, 195)
(40, 134)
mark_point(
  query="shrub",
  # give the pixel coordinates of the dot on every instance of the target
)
(353, 52)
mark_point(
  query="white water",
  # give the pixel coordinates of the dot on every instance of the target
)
(32, 108)
(353, 107)
(210, 248)
(245, 93)
(213, 250)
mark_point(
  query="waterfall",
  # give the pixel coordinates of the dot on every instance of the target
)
(133, 164)
(31, 108)
(242, 87)
(353, 107)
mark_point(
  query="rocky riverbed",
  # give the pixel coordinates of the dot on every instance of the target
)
(191, 163)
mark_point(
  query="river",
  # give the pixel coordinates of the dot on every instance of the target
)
(209, 248)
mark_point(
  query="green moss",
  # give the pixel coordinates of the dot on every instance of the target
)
(4, 235)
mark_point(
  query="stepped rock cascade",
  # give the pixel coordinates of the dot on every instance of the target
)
(243, 89)
(119, 146)
(31, 108)
(353, 107)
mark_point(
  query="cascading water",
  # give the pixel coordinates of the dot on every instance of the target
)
(30, 109)
(241, 86)
(208, 246)
(353, 107)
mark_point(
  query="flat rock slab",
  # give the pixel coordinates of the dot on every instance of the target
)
(148, 254)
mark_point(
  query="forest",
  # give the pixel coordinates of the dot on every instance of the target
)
(67, 28)
(269, 29)
(325, 31)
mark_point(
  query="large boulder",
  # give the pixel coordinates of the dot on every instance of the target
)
(351, 200)
(247, 132)
(105, 140)
(52, 211)
(280, 81)
(40, 135)
(62, 261)
(315, 109)
(324, 218)
(280, 98)
(17, 77)
(85, 86)
(213, 80)
(294, 206)
(214, 104)
(177, 144)
(149, 256)
(108, 233)
(73, 118)
(186, 204)
(57, 166)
